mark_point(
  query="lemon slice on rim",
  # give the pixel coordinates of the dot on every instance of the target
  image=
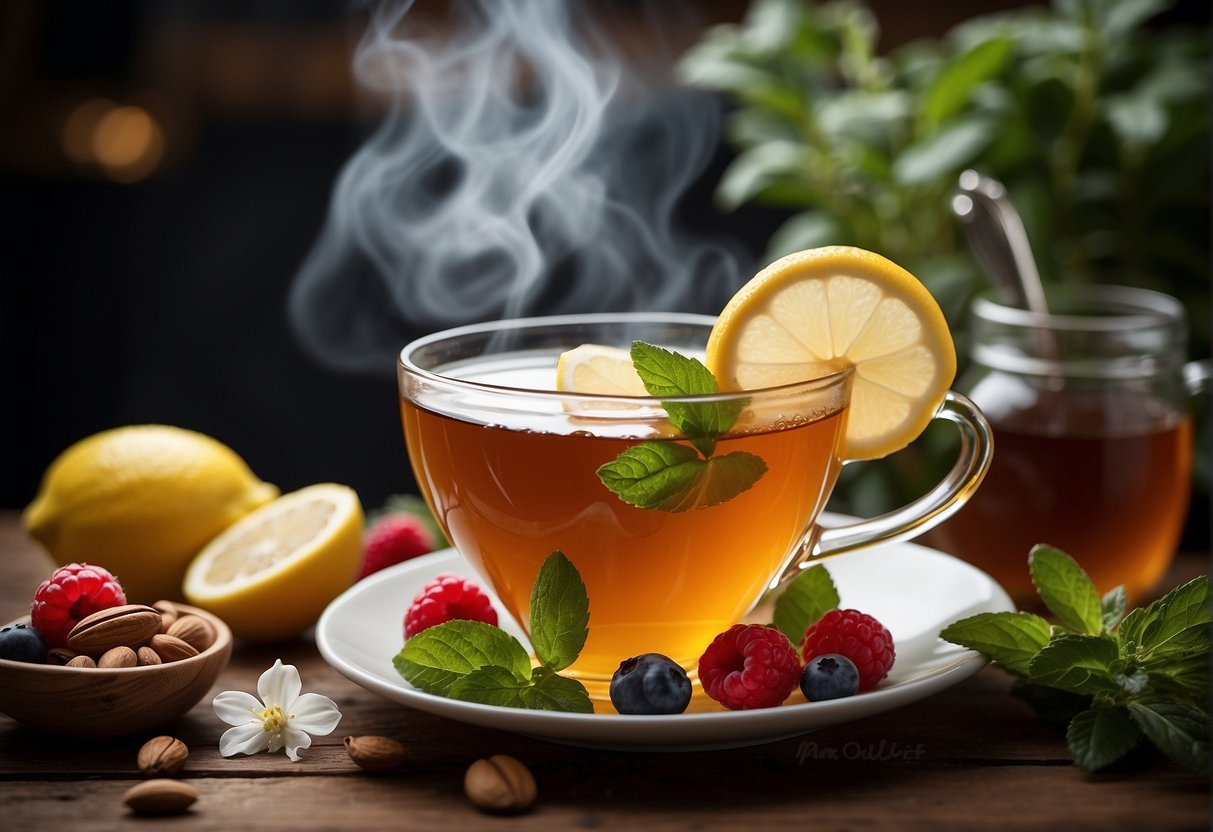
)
(594, 368)
(819, 311)
(272, 573)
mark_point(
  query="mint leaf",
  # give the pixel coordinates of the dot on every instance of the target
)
(1050, 704)
(560, 612)
(490, 685)
(1100, 736)
(438, 656)
(669, 476)
(1180, 731)
(806, 598)
(1077, 663)
(1186, 677)
(1010, 638)
(666, 374)
(553, 692)
(1112, 607)
(1175, 624)
(1065, 589)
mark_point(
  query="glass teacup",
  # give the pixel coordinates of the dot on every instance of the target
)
(510, 468)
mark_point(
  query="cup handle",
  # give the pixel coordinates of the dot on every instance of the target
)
(928, 511)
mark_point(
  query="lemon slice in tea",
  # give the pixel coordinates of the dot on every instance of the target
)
(272, 573)
(594, 368)
(819, 311)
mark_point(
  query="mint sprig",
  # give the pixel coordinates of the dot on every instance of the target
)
(1116, 681)
(477, 662)
(805, 599)
(665, 474)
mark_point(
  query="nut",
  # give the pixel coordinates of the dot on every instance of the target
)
(194, 630)
(162, 755)
(499, 784)
(375, 753)
(168, 614)
(118, 657)
(171, 648)
(126, 626)
(160, 797)
(147, 655)
(81, 661)
(60, 655)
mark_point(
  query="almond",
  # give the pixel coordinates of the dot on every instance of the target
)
(160, 797)
(171, 648)
(147, 655)
(81, 661)
(375, 753)
(168, 614)
(129, 625)
(499, 784)
(118, 657)
(162, 755)
(194, 630)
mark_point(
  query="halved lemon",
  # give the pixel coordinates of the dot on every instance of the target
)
(819, 311)
(594, 368)
(272, 573)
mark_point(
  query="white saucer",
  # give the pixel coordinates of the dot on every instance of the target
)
(912, 590)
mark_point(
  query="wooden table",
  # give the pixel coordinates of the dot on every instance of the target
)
(971, 757)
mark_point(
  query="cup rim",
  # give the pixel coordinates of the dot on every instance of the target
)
(403, 363)
(1124, 308)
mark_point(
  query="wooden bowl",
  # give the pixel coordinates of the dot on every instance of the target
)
(111, 702)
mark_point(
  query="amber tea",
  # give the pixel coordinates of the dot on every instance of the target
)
(658, 581)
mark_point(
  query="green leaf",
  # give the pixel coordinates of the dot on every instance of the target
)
(560, 612)
(808, 229)
(951, 90)
(1121, 16)
(1065, 589)
(1112, 607)
(1175, 624)
(1077, 663)
(546, 690)
(1100, 736)
(490, 685)
(553, 692)
(944, 152)
(668, 476)
(437, 657)
(1180, 731)
(1050, 704)
(806, 598)
(667, 373)
(1009, 638)
(1185, 677)
(757, 168)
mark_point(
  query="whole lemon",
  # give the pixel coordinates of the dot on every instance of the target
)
(142, 500)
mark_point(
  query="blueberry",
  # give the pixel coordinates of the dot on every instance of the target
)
(650, 684)
(829, 676)
(21, 643)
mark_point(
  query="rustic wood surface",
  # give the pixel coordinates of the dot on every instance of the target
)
(972, 757)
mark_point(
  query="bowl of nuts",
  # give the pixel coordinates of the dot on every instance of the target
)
(127, 669)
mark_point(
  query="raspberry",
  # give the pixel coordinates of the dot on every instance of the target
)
(749, 666)
(447, 598)
(69, 594)
(395, 539)
(859, 637)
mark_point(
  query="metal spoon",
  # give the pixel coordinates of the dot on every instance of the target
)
(999, 241)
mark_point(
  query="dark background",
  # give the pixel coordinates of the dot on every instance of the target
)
(163, 298)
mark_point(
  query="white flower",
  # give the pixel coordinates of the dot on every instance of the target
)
(280, 719)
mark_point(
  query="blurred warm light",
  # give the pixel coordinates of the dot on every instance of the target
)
(125, 141)
(77, 136)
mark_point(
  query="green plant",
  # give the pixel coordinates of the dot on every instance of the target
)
(1098, 125)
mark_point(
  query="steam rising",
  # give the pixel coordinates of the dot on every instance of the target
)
(520, 170)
